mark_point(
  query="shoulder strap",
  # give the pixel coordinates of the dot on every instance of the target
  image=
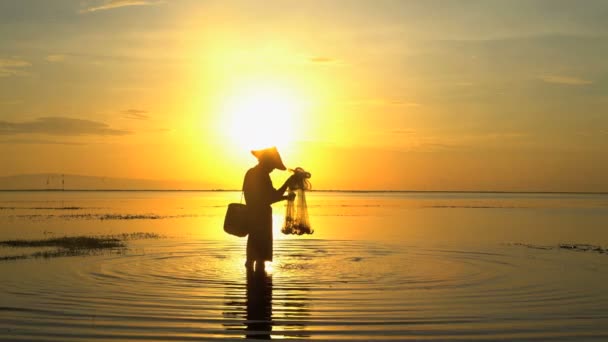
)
(243, 189)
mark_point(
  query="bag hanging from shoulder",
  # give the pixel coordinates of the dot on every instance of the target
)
(236, 220)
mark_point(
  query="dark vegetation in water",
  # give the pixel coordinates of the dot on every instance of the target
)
(60, 252)
(474, 207)
(73, 242)
(577, 247)
(583, 248)
(74, 245)
(45, 208)
(59, 208)
(102, 217)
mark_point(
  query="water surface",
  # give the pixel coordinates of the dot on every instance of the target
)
(380, 266)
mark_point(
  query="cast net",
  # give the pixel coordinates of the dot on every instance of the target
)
(296, 214)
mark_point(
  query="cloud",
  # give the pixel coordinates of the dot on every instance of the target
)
(55, 58)
(403, 103)
(420, 142)
(10, 102)
(464, 84)
(566, 80)
(402, 131)
(383, 102)
(112, 4)
(324, 61)
(11, 67)
(137, 114)
(59, 126)
(40, 142)
(320, 59)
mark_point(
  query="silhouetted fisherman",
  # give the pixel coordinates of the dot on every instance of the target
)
(259, 195)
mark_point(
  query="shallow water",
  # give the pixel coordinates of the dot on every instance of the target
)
(380, 266)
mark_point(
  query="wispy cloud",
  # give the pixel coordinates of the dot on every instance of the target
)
(421, 142)
(10, 102)
(137, 114)
(324, 61)
(403, 103)
(56, 58)
(402, 131)
(566, 80)
(112, 4)
(321, 59)
(39, 142)
(12, 66)
(383, 102)
(59, 126)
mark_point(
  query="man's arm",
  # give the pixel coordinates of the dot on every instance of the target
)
(278, 195)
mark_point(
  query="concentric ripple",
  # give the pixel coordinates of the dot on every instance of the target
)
(180, 290)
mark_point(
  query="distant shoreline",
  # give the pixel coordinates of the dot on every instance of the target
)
(323, 190)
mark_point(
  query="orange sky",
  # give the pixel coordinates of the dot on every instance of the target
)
(429, 95)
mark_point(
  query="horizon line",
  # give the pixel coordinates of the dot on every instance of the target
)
(321, 190)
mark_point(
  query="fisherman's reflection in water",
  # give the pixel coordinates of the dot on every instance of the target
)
(259, 305)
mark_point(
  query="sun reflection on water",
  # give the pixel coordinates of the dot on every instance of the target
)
(268, 267)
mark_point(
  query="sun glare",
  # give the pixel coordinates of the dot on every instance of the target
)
(260, 117)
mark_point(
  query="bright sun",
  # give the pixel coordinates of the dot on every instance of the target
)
(261, 116)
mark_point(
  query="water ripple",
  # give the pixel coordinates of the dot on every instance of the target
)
(317, 289)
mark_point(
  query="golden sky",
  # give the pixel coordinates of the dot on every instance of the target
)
(405, 95)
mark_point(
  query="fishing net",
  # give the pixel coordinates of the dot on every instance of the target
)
(296, 214)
